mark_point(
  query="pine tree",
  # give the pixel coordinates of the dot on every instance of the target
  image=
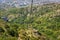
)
(31, 6)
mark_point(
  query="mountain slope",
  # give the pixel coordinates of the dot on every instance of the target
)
(20, 23)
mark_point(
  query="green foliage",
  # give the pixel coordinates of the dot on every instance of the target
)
(46, 20)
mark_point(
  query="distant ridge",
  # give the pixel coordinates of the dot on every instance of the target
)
(19, 3)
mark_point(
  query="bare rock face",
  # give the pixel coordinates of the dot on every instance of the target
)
(30, 34)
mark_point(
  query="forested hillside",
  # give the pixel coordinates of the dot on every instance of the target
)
(22, 24)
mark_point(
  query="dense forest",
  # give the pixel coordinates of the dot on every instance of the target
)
(43, 23)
